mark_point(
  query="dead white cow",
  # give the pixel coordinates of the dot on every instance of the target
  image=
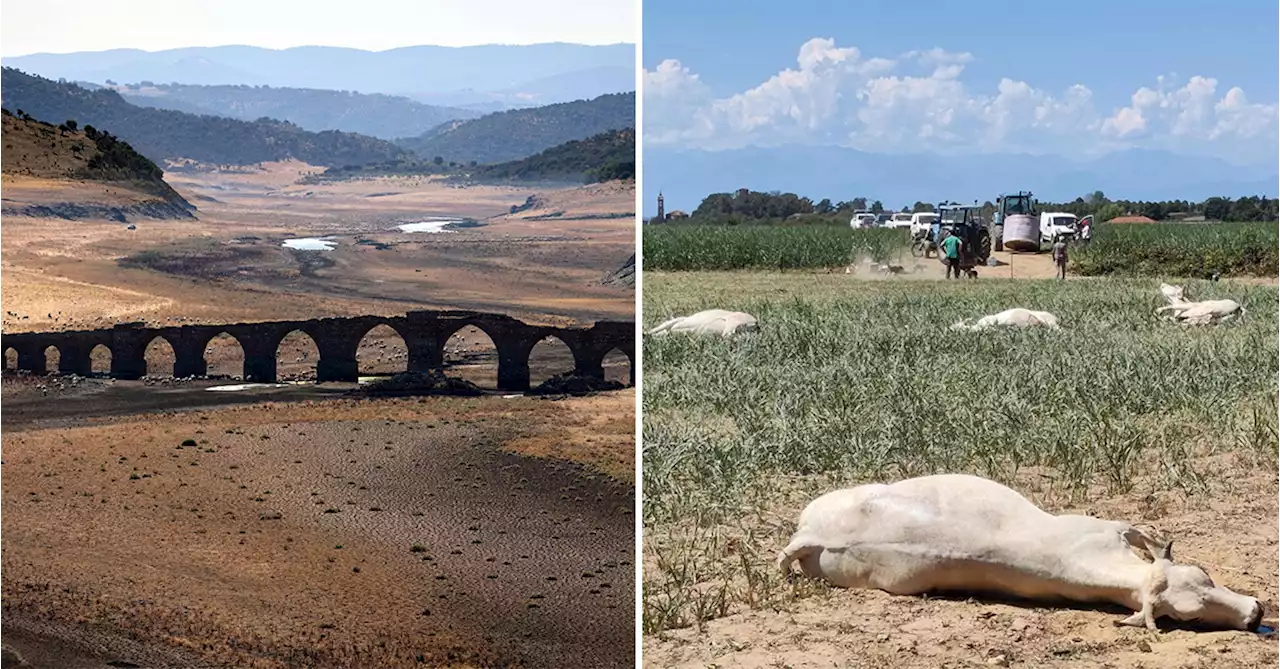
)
(1017, 318)
(957, 533)
(1205, 312)
(710, 322)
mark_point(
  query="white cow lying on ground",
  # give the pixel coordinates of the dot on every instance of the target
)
(964, 534)
(1197, 313)
(1018, 318)
(710, 322)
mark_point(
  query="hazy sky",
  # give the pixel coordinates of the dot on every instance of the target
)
(63, 26)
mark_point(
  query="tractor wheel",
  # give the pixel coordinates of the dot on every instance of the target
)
(984, 245)
(919, 248)
(998, 233)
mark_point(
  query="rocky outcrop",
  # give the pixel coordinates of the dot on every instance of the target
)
(623, 276)
(74, 211)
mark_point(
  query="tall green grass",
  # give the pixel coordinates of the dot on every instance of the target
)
(853, 382)
(675, 247)
(1181, 249)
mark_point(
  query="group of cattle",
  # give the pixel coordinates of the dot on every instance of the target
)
(958, 533)
(722, 323)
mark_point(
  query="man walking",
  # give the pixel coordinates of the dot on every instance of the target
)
(951, 252)
(1060, 256)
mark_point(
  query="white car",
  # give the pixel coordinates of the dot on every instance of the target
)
(899, 220)
(863, 219)
(1056, 223)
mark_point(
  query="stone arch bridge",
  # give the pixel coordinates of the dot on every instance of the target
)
(423, 332)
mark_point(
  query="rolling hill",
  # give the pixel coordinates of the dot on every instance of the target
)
(75, 172)
(377, 115)
(410, 71)
(607, 156)
(515, 134)
(603, 157)
(160, 134)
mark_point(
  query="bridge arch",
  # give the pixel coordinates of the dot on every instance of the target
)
(100, 360)
(470, 351)
(550, 356)
(159, 356)
(223, 355)
(382, 350)
(52, 359)
(296, 355)
(618, 366)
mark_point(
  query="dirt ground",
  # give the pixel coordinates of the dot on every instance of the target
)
(229, 266)
(1232, 535)
(331, 533)
(300, 527)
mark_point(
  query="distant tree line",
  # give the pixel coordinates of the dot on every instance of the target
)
(746, 206)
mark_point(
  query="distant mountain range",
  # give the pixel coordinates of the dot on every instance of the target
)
(515, 134)
(376, 115)
(685, 177)
(159, 134)
(508, 75)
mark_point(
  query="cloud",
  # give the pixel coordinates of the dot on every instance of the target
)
(917, 101)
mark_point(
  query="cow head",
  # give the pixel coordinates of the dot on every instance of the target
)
(1187, 593)
(1174, 294)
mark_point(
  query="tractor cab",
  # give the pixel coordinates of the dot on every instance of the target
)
(1017, 222)
(965, 222)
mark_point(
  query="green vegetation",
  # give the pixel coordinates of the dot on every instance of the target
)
(38, 148)
(160, 134)
(686, 247)
(603, 157)
(609, 155)
(511, 135)
(376, 115)
(1180, 249)
(855, 382)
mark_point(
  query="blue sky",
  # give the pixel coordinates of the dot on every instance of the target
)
(1194, 77)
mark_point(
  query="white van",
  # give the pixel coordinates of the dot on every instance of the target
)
(921, 222)
(1056, 223)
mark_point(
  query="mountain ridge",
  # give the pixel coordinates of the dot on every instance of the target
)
(163, 134)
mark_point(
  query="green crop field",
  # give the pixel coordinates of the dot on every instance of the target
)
(851, 381)
(1181, 249)
(721, 247)
(1161, 249)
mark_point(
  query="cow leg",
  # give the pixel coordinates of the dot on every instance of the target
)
(800, 548)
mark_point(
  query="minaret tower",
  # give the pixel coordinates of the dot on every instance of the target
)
(662, 213)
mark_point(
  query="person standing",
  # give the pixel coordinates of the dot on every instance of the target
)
(951, 252)
(1060, 256)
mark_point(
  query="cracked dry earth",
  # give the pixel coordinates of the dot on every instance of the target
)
(318, 534)
(1231, 532)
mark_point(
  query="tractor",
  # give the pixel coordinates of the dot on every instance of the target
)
(965, 222)
(1017, 224)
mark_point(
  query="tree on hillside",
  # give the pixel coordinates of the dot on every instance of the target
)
(877, 207)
